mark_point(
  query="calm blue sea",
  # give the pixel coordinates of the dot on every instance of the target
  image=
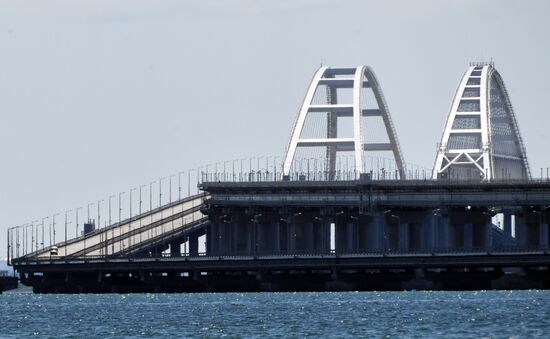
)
(375, 315)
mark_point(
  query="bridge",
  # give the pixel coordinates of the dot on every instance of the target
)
(332, 216)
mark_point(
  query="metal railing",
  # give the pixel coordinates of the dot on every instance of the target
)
(269, 255)
(18, 239)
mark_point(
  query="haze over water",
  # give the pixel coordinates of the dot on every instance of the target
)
(501, 314)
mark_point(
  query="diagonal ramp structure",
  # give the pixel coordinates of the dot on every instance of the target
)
(135, 235)
(481, 138)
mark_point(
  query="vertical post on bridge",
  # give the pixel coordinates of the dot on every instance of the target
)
(43, 243)
(130, 219)
(151, 207)
(53, 231)
(241, 170)
(160, 204)
(29, 238)
(17, 241)
(8, 246)
(160, 190)
(110, 219)
(120, 194)
(99, 213)
(32, 236)
(198, 173)
(76, 220)
(24, 239)
(66, 223)
(140, 217)
(170, 187)
(224, 168)
(99, 226)
(179, 184)
(89, 221)
(189, 182)
(36, 236)
(468, 236)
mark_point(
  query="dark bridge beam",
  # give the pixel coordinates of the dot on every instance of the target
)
(260, 218)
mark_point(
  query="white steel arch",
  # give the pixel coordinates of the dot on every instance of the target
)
(358, 80)
(481, 138)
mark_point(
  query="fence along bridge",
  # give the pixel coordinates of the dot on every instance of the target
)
(328, 228)
(142, 234)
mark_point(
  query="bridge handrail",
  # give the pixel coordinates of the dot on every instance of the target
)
(434, 252)
(117, 224)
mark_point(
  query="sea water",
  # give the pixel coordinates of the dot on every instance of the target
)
(491, 314)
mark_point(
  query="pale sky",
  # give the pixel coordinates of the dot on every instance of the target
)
(97, 97)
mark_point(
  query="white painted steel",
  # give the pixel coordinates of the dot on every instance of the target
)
(481, 160)
(299, 124)
(358, 119)
(359, 79)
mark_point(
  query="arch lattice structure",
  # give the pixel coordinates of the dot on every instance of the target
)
(481, 138)
(344, 113)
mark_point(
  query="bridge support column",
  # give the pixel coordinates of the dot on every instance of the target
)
(224, 238)
(507, 227)
(327, 238)
(291, 237)
(428, 232)
(376, 239)
(175, 249)
(235, 238)
(253, 236)
(350, 237)
(361, 234)
(521, 231)
(488, 233)
(319, 235)
(193, 244)
(213, 238)
(277, 237)
(403, 237)
(241, 237)
(262, 238)
(345, 237)
(444, 232)
(339, 237)
(268, 237)
(308, 237)
(468, 236)
(543, 236)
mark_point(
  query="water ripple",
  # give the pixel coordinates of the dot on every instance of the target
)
(371, 314)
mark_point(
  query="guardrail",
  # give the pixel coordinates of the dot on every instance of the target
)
(441, 252)
(17, 240)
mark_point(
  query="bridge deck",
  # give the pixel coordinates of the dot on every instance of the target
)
(130, 235)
